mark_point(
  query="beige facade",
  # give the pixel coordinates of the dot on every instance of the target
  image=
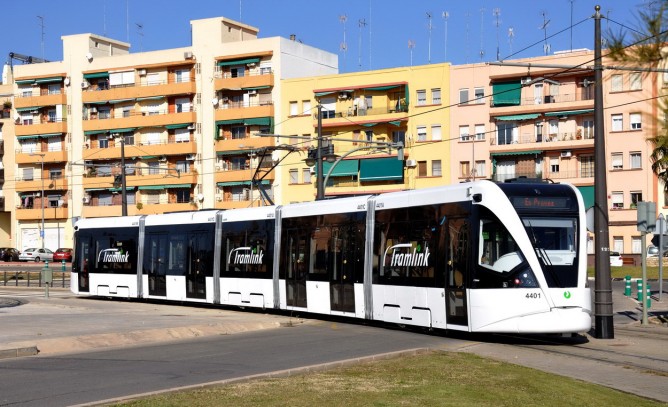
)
(184, 120)
(361, 113)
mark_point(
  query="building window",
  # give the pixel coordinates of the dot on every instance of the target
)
(616, 82)
(635, 198)
(435, 132)
(238, 132)
(617, 160)
(294, 176)
(588, 129)
(182, 195)
(103, 142)
(539, 132)
(422, 133)
(479, 131)
(306, 175)
(506, 133)
(480, 169)
(635, 81)
(397, 136)
(554, 164)
(587, 166)
(635, 160)
(464, 169)
(293, 108)
(617, 122)
(436, 168)
(617, 200)
(479, 95)
(422, 168)
(636, 121)
(464, 133)
(306, 107)
(436, 96)
(636, 245)
(421, 97)
(463, 96)
(55, 174)
(153, 168)
(618, 244)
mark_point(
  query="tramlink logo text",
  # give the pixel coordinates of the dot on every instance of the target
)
(245, 255)
(113, 256)
(408, 259)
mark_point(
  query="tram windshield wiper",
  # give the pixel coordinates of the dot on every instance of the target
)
(543, 257)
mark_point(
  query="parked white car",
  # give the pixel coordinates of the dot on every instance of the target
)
(35, 254)
(616, 259)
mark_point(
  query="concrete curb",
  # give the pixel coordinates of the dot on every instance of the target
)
(18, 352)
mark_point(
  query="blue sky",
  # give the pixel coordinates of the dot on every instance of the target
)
(390, 26)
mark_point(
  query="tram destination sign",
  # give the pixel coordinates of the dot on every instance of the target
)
(541, 202)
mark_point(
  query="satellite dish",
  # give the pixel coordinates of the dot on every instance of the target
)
(89, 57)
(214, 101)
(200, 197)
(67, 81)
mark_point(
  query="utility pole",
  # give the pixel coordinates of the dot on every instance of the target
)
(603, 323)
(320, 187)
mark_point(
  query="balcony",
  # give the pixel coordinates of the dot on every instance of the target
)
(36, 213)
(224, 80)
(137, 119)
(43, 98)
(570, 101)
(90, 211)
(44, 126)
(246, 143)
(28, 157)
(141, 177)
(571, 140)
(55, 184)
(141, 90)
(241, 175)
(352, 117)
(239, 110)
(163, 148)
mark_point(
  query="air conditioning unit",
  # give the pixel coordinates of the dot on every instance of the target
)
(188, 55)
(525, 81)
(141, 72)
(566, 154)
(252, 92)
(191, 157)
(344, 95)
(219, 167)
(312, 170)
(411, 163)
(252, 65)
(163, 159)
(86, 199)
(84, 84)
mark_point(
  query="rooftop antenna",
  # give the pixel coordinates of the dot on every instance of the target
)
(572, 25)
(361, 24)
(104, 19)
(344, 46)
(41, 23)
(240, 1)
(482, 50)
(467, 15)
(497, 13)
(429, 27)
(445, 16)
(411, 45)
(369, 34)
(140, 32)
(127, 21)
(546, 22)
(511, 36)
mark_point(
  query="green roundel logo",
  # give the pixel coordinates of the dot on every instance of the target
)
(567, 294)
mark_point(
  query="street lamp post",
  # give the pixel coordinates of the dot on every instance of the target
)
(41, 176)
(124, 195)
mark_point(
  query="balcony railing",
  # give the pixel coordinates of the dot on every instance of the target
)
(549, 99)
(227, 74)
(352, 112)
(43, 120)
(134, 113)
(544, 138)
(41, 92)
(104, 85)
(240, 105)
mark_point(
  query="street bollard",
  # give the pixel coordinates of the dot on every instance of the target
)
(627, 287)
(649, 297)
(63, 266)
(639, 290)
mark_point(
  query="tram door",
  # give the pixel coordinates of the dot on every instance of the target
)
(298, 263)
(457, 272)
(83, 263)
(197, 266)
(155, 262)
(344, 257)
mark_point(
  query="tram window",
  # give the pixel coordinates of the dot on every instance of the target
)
(115, 253)
(248, 249)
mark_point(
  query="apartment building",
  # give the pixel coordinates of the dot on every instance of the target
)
(537, 121)
(184, 122)
(362, 114)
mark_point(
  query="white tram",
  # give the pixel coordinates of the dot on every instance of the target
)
(476, 257)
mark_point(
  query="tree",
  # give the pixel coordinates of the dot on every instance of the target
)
(648, 47)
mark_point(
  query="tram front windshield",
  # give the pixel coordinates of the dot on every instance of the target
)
(555, 243)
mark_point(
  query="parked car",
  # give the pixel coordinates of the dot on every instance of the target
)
(616, 259)
(9, 254)
(63, 254)
(652, 251)
(35, 254)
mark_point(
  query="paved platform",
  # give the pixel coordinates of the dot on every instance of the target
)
(635, 361)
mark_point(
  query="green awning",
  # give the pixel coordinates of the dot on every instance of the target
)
(258, 121)
(239, 62)
(94, 132)
(27, 109)
(369, 124)
(121, 100)
(318, 94)
(344, 168)
(150, 98)
(95, 189)
(26, 137)
(49, 135)
(25, 82)
(506, 93)
(257, 88)
(569, 112)
(395, 123)
(96, 75)
(151, 187)
(49, 80)
(517, 117)
(125, 130)
(238, 183)
(233, 152)
(178, 186)
(148, 157)
(177, 126)
(119, 189)
(228, 122)
(587, 195)
(379, 88)
(516, 153)
(381, 169)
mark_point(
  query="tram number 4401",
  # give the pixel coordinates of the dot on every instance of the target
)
(533, 295)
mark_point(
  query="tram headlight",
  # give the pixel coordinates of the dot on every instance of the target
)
(526, 279)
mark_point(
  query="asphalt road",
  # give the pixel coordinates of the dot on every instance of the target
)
(88, 377)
